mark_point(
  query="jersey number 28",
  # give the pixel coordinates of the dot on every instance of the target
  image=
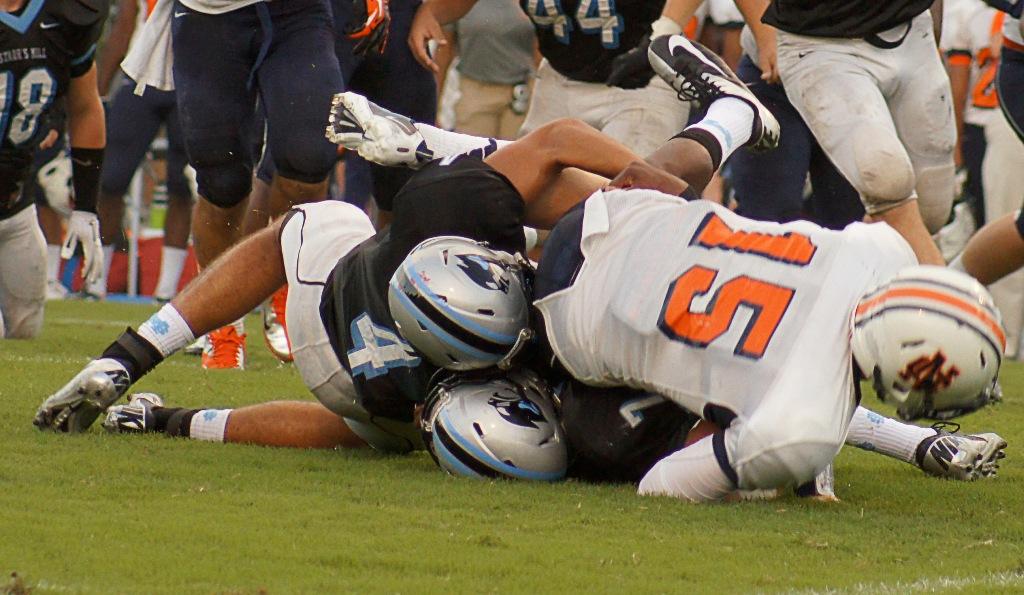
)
(33, 95)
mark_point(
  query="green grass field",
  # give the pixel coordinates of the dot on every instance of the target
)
(97, 513)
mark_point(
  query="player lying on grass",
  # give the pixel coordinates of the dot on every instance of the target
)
(346, 347)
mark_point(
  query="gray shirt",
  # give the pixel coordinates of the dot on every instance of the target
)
(495, 43)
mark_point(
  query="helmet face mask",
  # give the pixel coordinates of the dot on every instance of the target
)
(460, 304)
(931, 341)
(496, 426)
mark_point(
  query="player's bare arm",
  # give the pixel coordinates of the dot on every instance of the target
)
(116, 46)
(87, 132)
(427, 26)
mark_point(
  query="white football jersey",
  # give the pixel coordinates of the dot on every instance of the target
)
(698, 304)
(970, 32)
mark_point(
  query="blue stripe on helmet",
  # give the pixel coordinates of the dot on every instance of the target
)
(456, 465)
(444, 336)
(454, 315)
(494, 463)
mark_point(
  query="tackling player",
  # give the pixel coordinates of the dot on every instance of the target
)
(349, 352)
(46, 65)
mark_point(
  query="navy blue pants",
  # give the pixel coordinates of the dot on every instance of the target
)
(281, 52)
(770, 186)
(133, 121)
(1010, 87)
(394, 80)
(972, 147)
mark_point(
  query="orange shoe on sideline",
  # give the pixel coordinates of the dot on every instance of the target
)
(224, 350)
(275, 325)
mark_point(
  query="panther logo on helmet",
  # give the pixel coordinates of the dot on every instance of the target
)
(485, 272)
(520, 412)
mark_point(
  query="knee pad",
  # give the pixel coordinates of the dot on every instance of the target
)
(935, 189)
(884, 176)
(776, 458)
(224, 184)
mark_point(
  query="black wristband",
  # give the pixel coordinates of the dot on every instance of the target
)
(86, 165)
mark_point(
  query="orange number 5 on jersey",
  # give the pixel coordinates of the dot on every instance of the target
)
(768, 302)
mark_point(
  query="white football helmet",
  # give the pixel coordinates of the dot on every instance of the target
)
(502, 426)
(932, 341)
(459, 303)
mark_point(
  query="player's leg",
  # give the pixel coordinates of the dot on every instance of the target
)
(215, 106)
(1003, 178)
(840, 101)
(995, 251)
(132, 123)
(178, 222)
(22, 275)
(641, 119)
(296, 81)
(933, 450)
(551, 100)
(922, 110)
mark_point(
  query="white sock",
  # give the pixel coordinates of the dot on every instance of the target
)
(52, 262)
(875, 432)
(167, 331)
(172, 262)
(445, 143)
(692, 474)
(209, 424)
(730, 121)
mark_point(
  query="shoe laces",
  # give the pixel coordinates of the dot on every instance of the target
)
(701, 93)
(946, 426)
(225, 345)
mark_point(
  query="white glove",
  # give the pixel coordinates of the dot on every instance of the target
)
(379, 136)
(84, 226)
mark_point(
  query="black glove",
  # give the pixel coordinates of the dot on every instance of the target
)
(632, 70)
(14, 166)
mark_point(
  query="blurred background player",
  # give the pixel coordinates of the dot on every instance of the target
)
(493, 50)
(133, 123)
(46, 65)
(868, 80)
(226, 54)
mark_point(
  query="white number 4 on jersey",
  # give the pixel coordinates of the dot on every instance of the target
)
(376, 349)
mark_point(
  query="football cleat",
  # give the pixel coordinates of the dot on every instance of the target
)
(55, 290)
(275, 326)
(822, 488)
(378, 135)
(225, 349)
(196, 347)
(698, 74)
(958, 456)
(135, 417)
(78, 403)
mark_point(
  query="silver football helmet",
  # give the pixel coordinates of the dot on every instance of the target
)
(932, 341)
(459, 303)
(502, 426)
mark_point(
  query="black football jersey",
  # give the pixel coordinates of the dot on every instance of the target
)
(580, 38)
(841, 18)
(462, 197)
(42, 47)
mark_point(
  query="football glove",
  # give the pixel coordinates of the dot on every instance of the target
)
(369, 26)
(85, 227)
(379, 136)
(632, 70)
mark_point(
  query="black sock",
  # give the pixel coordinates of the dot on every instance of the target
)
(136, 354)
(174, 421)
(706, 140)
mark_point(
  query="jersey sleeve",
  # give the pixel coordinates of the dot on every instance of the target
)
(86, 19)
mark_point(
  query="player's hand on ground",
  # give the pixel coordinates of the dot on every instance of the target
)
(76, 405)
(641, 174)
(84, 227)
(424, 29)
(379, 136)
(632, 70)
(370, 26)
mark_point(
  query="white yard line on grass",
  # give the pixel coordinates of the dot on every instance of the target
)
(82, 360)
(928, 585)
(90, 321)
